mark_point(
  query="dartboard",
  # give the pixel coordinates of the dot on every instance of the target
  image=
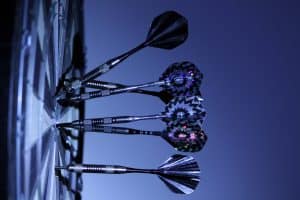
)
(48, 47)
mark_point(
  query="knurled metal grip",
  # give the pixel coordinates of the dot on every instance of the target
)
(103, 169)
(96, 72)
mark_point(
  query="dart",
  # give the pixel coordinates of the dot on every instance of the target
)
(181, 78)
(163, 95)
(182, 138)
(180, 110)
(167, 31)
(179, 173)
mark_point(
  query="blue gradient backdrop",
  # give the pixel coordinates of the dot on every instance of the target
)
(249, 54)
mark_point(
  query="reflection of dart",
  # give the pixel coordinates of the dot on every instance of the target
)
(180, 110)
(179, 79)
(180, 173)
(167, 31)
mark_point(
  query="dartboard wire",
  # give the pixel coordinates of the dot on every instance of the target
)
(60, 41)
(17, 92)
(39, 184)
(63, 178)
(25, 98)
(42, 128)
(54, 63)
(51, 174)
(66, 45)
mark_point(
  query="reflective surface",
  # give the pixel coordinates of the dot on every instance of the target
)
(180, 173)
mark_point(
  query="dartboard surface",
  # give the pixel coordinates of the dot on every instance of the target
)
(48, 44)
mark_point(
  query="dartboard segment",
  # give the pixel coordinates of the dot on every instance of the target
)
(46, 41)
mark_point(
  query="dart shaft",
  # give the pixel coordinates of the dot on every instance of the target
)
(108, 65)
(108, 120)
(112, 91)
(135, 87)
(107, 169)
(103, 169)
(109, 85)
(103, 85)
(120, 130)
(101, 69)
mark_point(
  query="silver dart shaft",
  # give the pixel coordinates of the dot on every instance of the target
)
(107, 120)
(104, 169)
(108, 92)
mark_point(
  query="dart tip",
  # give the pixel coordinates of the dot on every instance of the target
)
(60, 167)
(62, 125)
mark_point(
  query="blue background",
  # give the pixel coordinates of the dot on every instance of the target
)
(249, 54)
